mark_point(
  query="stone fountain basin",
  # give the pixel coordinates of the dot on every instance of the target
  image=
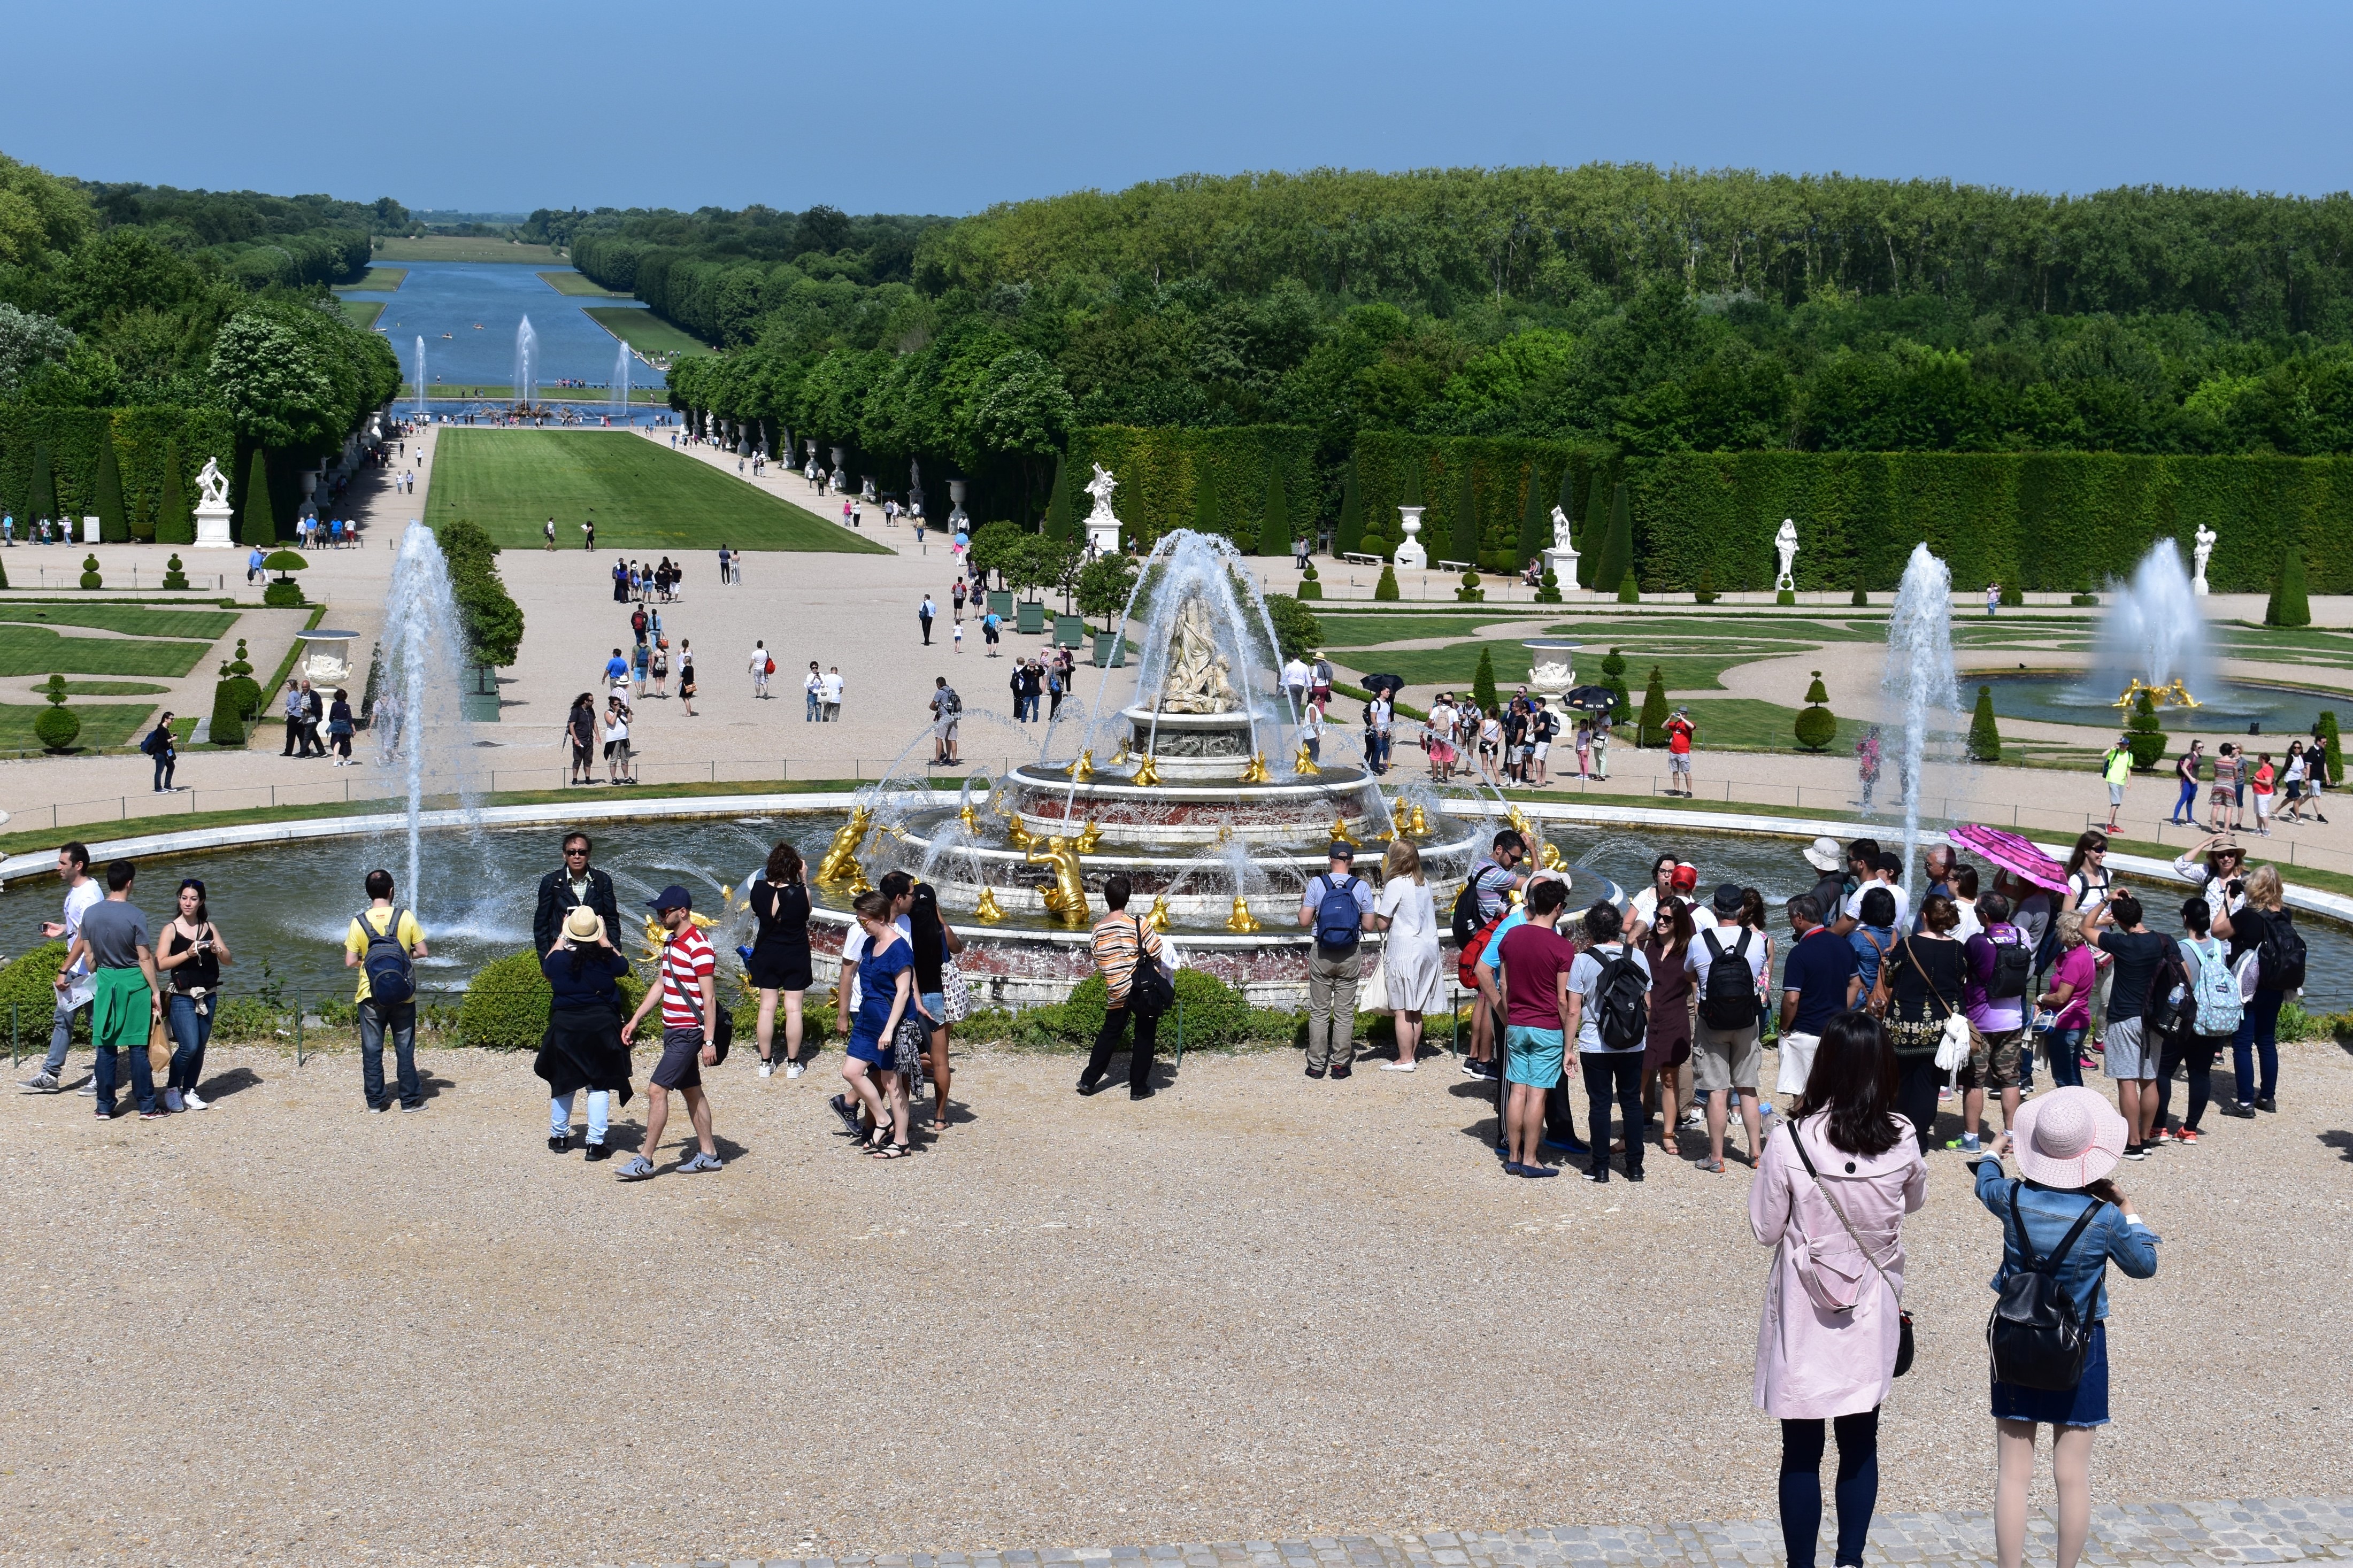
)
(1201, 815)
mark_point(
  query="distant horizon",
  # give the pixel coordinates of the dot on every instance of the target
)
(927, 108)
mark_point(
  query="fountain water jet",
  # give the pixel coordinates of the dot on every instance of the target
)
(621, 383)
(2154, 632)
(526, 365)
(1920, 674)
(421, 654)
(421, 375)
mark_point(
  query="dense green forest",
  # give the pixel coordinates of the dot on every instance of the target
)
(142, 328)
(1653, 311)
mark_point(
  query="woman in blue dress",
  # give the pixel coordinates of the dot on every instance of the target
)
(886, 993)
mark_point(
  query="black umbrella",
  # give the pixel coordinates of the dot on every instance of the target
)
(1590, 698)
(1392, 684)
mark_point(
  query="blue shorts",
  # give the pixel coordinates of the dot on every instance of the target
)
(1533, 1055)
(935, 1007)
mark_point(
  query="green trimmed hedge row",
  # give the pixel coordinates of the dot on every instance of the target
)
(75, 439)
(1500, 467)
(2042, 521)
(1160, 470)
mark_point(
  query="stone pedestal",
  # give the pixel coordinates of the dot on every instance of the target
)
(1103, 535)
(211, 526)
(1410, 554)
(1562, 565)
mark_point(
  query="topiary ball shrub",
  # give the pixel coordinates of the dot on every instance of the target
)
(240, 665)
(89, 577)
(175, 575)
(283, 593)
(1816, 726)
(1310, 586)
(1386, 588)
(2146, 739)
(1471, 592)
(1705, 592)
(505, 1006)
(58, 727)
(1548, 591)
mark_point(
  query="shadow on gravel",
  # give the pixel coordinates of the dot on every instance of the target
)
(2340, 1142)
(236, 1080)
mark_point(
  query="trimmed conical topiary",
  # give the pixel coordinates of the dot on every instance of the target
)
(258, 525)
(1652, 730)
(1464, 540)
(1596, 528)
(1617, 563)
(1274, 523)
(1705, 592)
(1386, 588)
(1349, 538)
(175, 520)
(1205, 504)
(1629, 591)
(229, 716)
(41, 496)
(1860, 599)
(2013, 595)
(1482, 683)
(2289, 604)
(1532, 523)
(1057, 503)
(1548, 591)
(1816, 726)
(1985, 738)
(2326, 730)
(113, 517)
(2146, 736)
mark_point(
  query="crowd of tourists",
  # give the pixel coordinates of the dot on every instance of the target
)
(2281, 790)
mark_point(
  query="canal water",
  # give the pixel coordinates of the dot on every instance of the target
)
(468, 312)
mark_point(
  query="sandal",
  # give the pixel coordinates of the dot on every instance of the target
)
(881, 1136)
(889, 1151)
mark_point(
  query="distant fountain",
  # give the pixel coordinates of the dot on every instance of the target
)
(2154, 632)
(1920, 674)
(526, 365)
(621, 383)
(421, 375)
(422, 669)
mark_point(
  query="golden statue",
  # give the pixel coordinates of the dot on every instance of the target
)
(1089, 837)
(1158, 919)
(2176, 695)
(1304, 764)
(840, 861)
(970, 817)
(1339, 830)
(1119, 756)
(1418, 827)
(657, 938)
(1084, 768)
(1548, 854)
(1254, 771)
(1145, 775)
(1068, 895)
(858, 884)
(986, 909)
(1241, 923)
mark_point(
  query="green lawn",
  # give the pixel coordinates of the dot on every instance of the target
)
(379, 280)
(1457, 664)
(102, 723)
(131, 620)
(644, 331)
(1365, 631)
(646, 497)
(1745, 723)
(462, 248)
(37, 650)
(361, 313)
(108, 688)
(579, 283)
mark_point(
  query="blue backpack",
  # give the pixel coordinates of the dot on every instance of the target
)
(2213, 987)
(1339, 922)
(391, 973)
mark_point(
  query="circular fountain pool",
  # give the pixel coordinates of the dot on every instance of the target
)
(2223, 705)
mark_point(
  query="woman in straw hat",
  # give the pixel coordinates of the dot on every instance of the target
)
(583, 1049)
(2066, 1142)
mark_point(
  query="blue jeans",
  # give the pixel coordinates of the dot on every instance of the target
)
(2064, 1049)
(61, 1034)
(2187, 803)
(559, 1115)
(810, 717)
(192, 1030)
(402, 1019)
(143, 1079)
(2258, 1037)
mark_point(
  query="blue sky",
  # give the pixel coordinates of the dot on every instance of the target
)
(927, 107)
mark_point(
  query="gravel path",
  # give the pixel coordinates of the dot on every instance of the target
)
(1254, 1306)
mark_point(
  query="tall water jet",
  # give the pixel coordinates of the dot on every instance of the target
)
(2154, 633)
(421, 375)
(621, 383)
(423, 667)
(526, 364)
(1920, 675)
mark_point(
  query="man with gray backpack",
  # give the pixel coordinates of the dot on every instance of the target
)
(1337, 906)
(384, 945)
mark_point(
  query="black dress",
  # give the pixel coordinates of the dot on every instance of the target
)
(780, 952)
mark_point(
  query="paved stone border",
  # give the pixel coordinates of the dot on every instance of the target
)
(2246, 1530)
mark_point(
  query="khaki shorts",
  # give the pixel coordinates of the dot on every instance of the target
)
(1725, 1058)
(1994, 1062)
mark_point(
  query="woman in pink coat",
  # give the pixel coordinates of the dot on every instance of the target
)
(1826, 1348)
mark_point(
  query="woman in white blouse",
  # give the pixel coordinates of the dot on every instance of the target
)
(1409, 956)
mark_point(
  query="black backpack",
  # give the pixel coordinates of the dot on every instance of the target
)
(2279, 957)
(2013, 962)
(1465, 920)
(1728, 999)
(2038, 1336)
(1151, 992)
(2166, 1012)
(1621, 1003)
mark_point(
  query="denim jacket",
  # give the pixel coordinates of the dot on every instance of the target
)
(2050, 1213)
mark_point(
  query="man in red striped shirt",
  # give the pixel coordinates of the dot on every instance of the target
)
(688, 993)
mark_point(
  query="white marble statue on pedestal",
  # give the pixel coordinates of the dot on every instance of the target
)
(2206, 538)
(1561, 559)
(1410, 554)
(212, 508)
(1102, 523)
(1786, 542)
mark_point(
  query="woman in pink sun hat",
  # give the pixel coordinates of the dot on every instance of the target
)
(2066, 1142)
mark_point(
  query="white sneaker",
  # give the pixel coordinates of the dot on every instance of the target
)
(188, 1097)
(793, 1069)
(768, 1070)
(1396, 1067)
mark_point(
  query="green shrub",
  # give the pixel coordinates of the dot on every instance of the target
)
(1295, 626)
(2147, 737)
(505, 1005)
(1706, 594)
(2289, 605)
(1471, 592)
(1275, 526)
(1349, 537)
(1057, 503)
(1985, 738)
(1214, 1014)
(175, 522)
(252, 1018)
(1628, 592)
(1859, 599)
(1159, 471)
(27, 986)
(1310, 585)
(1548, 591)
(1464, 534)
(1651, 729)
(1386, 588)
(228, 715)
(1482, 683)
(1817, 727)
(175, 575)
(58, 727)
(283, 593)
(258, 523)
(89, 577)
(1613, 676)
(1617, 563)
(491, 620)
(2326, 730)
(2013, 596)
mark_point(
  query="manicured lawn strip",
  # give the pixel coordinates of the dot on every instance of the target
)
(579, 284)
(645, 332)
(113, 689)
(1367, 631)
(1761, 627)
(361, 313)
(646, 496)
(379, 280)
(37, 650)
(102, 723)
(1456, 665)
(129, 620)
(1746, 723)
(462, 248)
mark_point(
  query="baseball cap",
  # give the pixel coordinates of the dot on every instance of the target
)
(1685, 878)
(1727, 899)
(1342, 850)
(671, 897)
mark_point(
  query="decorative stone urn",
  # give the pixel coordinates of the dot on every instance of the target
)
(1409, 552)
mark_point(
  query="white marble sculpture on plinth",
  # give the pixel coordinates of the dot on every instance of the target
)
(1561, 559)
(1786, 542)
(212, 508)
(1410, 556)
(2206, 540)
(1102, 523)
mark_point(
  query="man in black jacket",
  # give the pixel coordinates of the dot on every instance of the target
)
(578, 883)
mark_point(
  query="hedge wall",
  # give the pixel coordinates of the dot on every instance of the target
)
(74, 436)
(2043, 520)
(1158, 470)
(1499, 470)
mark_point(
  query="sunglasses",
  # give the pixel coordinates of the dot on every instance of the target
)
(191, 882)
(568, 853)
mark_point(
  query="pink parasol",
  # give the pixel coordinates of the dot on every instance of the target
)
(2012, 854)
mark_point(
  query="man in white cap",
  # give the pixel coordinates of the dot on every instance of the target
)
(1829, 861)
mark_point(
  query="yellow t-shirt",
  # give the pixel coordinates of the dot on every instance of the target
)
(356, 940)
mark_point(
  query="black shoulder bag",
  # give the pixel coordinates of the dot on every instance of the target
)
(2038, 1335)
(1903, 1318)
(1151, 992)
